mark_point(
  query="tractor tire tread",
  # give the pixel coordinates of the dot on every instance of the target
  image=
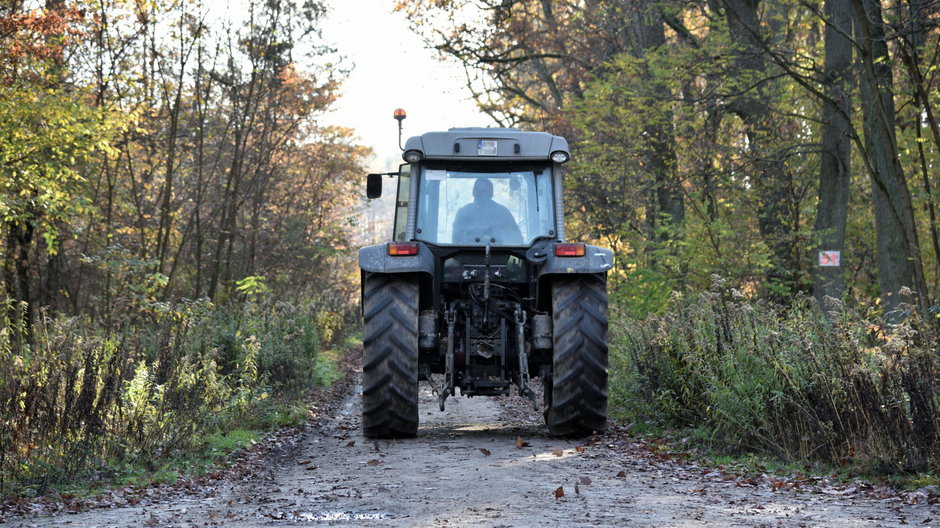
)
(390, 357)
(577, 402)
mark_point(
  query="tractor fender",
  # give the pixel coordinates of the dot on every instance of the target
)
(595, 260)
(375, 259)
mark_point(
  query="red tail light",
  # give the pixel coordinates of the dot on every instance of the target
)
(402, 249)
(569, 250)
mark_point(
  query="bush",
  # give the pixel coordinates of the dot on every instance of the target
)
(82, 397)
(789, 381)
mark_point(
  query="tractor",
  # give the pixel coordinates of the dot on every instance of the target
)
(480, 286)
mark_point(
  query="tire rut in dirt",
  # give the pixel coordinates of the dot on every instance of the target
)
(390, 357)
(576, 404)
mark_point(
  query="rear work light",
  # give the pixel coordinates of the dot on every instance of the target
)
(404, 249)
(569, 250)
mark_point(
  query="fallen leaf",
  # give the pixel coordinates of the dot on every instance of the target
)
(303, 462)
(350, 444)
(373, 462)
(560, 492)
(621, 475)
(309, 468)
(520, 443)
(486, 452)
(580, 449)
(557, 452)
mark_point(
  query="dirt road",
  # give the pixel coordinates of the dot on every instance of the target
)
(488, 463)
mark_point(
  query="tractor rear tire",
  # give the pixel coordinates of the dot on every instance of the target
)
(576, 391)
(390, 357)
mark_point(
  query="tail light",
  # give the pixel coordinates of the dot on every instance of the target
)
(402, 249)
(569, 250)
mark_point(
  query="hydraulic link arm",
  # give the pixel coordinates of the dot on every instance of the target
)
(523, 383)
(447, 389)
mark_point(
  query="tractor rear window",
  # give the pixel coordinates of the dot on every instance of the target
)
(476, 205)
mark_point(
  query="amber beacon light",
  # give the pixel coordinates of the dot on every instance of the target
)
(399, 116)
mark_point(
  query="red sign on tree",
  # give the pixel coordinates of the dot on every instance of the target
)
(830, 258)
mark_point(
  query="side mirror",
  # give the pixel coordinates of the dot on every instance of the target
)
(374, 186)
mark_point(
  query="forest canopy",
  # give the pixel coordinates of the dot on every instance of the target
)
(153, 150)
(739, 138)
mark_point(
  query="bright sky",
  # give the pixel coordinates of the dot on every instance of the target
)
(392, 69)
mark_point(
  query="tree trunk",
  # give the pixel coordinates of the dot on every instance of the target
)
(835, 169)
(899, 260)
(16, 274)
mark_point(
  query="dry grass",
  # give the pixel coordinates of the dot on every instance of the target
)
(81, 398)
(788, 381)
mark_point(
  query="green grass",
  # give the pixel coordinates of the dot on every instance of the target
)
(231, 441)
(922, 480)
(326, 369)
(211, 454)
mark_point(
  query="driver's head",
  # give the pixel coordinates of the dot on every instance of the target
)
(482, 189)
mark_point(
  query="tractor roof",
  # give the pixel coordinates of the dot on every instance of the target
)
(487, 143)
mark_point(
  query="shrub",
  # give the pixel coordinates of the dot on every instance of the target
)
(84, 396)
(789, 381)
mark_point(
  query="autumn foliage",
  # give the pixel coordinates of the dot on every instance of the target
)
(175, 228)
(42, 36)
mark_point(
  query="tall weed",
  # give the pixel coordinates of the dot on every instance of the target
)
(84, 396)
(789, 381)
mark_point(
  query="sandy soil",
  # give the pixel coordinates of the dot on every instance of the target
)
(488, 463)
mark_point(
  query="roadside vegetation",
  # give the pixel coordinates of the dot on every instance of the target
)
(850, 390)
(170, 391)
(176, 231)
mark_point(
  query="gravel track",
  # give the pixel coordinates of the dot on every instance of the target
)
(488, 462)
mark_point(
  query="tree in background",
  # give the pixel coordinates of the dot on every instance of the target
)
(835, 142)
(51, 136)
(899, 255)
(739, 114)
(158, 156)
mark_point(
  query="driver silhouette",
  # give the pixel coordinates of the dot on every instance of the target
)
(483, 218)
